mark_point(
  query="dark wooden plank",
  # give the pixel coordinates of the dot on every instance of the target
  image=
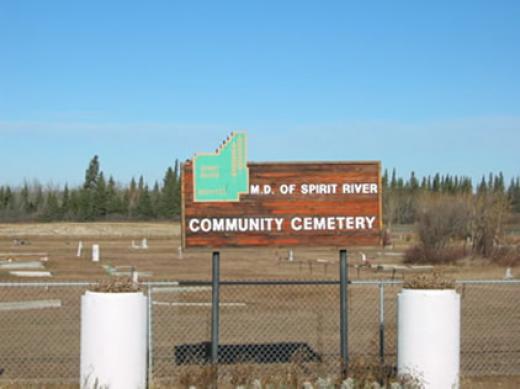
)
(290, 206)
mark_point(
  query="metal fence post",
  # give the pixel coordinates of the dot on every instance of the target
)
(150, 336)
(215, 302)
(343, 276)
(382, 322)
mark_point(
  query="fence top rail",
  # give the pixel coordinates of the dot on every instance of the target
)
(250, 283)
(45, 284)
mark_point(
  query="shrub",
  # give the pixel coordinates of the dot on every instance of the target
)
(507, 256)
(418, 254)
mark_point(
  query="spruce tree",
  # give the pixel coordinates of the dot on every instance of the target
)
(39, 199)
(113, 201)
(436, 184)
(131, 198)
(65, 203)
(414, 183)
(87, 197)
(156, 199)
(393, 183)
(51, 210)
(482, 188)
(100, 197)
(384, 180)
(168, 196)
(25, 200)
(8, 198)
(144, 207)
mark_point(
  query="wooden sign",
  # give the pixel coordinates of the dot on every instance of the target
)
(287, 204)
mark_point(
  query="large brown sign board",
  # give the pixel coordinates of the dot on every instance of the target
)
(289, 204)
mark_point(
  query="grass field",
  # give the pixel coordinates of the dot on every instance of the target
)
(45, 342)
(60, 240)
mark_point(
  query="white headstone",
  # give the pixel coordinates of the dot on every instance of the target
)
(363, 258)
(291, 255)
(80, 249)
(135, 277)
(144, 244)
(509, 274)
(95, 253)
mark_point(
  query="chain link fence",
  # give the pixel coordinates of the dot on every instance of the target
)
(264, 323)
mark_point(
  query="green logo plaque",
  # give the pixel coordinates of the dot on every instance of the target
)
(223, 175)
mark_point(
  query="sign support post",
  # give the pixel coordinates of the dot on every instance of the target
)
(343, 275)
(215, 307)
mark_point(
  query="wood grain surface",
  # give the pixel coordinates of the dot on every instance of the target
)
(291, 205)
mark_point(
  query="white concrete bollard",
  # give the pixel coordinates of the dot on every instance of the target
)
(291, 255)
(179, 252)
(113, 340)
(96, 254)
(509, 274)
(80, 249)
(428, 343)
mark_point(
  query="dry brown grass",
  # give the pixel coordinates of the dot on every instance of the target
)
(116, 285)
(434, 280)
(286, 312)
(60, 241)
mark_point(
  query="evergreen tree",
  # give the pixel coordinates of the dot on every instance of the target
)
(436, 184)
(414, 183)
(130, 199)
(384, 180)
(113, 200)
(39, 199)
(144, 206)
(140, 186)
(393, 183)
(168, 196)
(74, 208)
(100, 197)
(424, 184)
(482, 188)
(88, 208)
(65, 203)
(513, 194)
(25, 201)
(499, 184)
(156, 199)
(177, 191)
(8, 199)
(92, 174)
(51, 209)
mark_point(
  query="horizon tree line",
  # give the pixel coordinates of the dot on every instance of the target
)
(102, 198)
(402, 197)
(98, 198)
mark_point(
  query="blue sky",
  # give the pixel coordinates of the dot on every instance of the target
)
(424, 86)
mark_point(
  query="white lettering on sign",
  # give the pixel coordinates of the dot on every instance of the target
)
(235, 224)
(257, 190)
(317, 189)
(362, 188)
(258, 224)
(331, 223)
